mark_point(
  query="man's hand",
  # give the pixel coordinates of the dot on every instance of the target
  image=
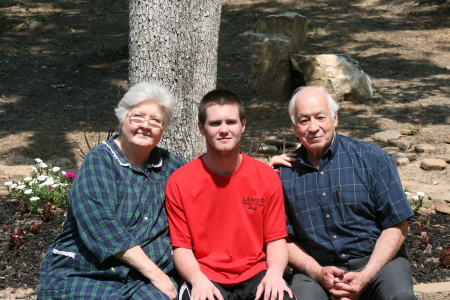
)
(203, 288)
(351, 286)
(163, 283)
(328, 277)
(273, 286)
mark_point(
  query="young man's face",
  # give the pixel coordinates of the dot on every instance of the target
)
(222, 129)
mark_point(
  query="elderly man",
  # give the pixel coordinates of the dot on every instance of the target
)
(346, 209)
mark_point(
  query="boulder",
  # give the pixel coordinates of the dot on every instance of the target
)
(275, 38)
(339, 74)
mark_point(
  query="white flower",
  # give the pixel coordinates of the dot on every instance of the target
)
(62, 172)
(43, 165)
(407, 193)
(33, 168)
(27, 178)
(420, 194)
(56, 169)
(42, 177)
(13, 185)
(38, 160)
(55, 185)
(8, 183)
(34, 198)
(21, 187)
(415, 197)
(28, 191)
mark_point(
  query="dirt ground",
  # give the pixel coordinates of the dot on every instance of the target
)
(63, 68)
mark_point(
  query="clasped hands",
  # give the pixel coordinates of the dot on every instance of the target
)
(341, 285)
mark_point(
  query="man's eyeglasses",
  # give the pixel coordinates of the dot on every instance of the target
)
(138, 119)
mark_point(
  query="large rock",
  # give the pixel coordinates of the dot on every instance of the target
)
(339, 74)
(291, 25)
(275, 38)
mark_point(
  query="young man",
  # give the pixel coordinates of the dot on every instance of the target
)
(226, 214)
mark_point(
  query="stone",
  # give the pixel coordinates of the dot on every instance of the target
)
(427, 203)
(399, 159)
(339, 74)
(447, 139)
(391, 150)
(442, 208)
(279, 143)
(411, 156)
(268, 149)
(383, 137)
(444, 157)
(275, 38)
(406, 131)
(440, 197)
(433, 164)
(424, 148)
(403, 145)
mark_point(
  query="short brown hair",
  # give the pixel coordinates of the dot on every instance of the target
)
(220, 97)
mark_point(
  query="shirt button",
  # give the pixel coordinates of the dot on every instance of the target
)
(334, 236)
(343, 255)
(328, 216)
(321, 173)
(324, 194)
(145, 218)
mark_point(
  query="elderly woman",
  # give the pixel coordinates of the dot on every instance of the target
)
(115, 242)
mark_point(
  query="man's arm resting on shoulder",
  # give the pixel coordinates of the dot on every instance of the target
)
(273, 284)
(385, 250)
(306, 264)
(188, 267)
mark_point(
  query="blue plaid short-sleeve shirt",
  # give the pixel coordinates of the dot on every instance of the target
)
(337, 212)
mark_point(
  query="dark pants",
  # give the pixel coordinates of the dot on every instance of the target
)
(394, 281)
(243, 291)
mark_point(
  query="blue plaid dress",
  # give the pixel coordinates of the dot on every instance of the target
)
(113, 206)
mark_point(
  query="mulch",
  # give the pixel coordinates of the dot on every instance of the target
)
(20, 268)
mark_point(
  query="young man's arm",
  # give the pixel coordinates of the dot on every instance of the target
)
(273, 285)
(189, 269)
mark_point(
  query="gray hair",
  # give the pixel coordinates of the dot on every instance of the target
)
(332, 104)
(144, 91)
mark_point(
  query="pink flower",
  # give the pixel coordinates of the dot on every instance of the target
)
(70, 175)
(49, 188)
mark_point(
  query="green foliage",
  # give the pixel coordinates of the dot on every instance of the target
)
(416, 202)
(45, 184)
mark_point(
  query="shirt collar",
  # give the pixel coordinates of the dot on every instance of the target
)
(154, 161)
(328, 155)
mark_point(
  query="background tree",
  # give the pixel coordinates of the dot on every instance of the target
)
(175, 42)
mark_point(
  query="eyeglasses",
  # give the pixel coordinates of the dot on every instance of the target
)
(138, 119)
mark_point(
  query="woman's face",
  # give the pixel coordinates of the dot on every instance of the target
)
(147, 134)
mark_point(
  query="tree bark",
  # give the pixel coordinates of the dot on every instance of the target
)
(175, 42)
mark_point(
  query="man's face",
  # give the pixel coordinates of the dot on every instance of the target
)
(313, 121)
(222, 129)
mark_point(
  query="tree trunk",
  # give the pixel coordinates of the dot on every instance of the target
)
(175, 42)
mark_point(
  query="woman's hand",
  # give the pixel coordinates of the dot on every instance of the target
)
(283, 160)
(163, 283)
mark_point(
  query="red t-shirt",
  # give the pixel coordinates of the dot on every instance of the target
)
(226, 221)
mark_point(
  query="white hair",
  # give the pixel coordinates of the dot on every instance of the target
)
(332, 104)
(145, 91)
